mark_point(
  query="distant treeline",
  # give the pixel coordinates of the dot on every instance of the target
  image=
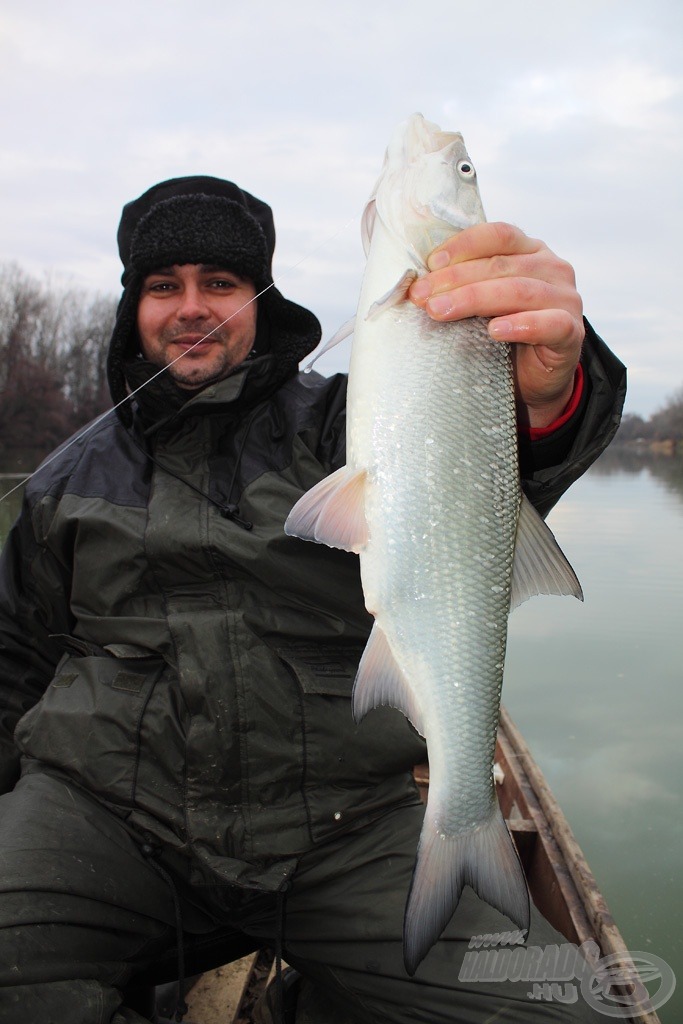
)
(53, 349)
(664, 425)
(53, 346)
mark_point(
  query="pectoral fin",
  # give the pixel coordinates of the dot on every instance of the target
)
(345, 331)
(395, 295)
(367, 224)
(381, 682)
(539, 566)
(333, 512)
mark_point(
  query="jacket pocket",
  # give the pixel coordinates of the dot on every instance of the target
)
(352, 771)
(88, 721)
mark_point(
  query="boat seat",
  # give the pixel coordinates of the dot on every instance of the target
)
(201, 954)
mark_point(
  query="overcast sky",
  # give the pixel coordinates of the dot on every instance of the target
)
(571, 113)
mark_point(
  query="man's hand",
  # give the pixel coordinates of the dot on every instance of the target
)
(496, 271)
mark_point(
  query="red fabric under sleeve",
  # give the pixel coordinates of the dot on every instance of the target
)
(536, 433)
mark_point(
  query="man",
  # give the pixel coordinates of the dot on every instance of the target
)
(180, 765)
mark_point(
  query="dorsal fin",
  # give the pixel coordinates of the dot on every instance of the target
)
(540, 566)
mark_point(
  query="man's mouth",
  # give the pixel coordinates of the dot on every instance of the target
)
(197, 342)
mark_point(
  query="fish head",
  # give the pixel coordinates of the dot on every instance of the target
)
(427, 190)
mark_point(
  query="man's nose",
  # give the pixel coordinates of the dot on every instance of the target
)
(193, 305)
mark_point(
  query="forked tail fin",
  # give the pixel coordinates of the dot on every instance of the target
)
(485, 858)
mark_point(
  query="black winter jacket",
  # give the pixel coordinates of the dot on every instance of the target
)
(195, 674)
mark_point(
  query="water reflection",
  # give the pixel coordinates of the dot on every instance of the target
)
(10, 503)
(666, 468)
(596, 690)
(15, 467)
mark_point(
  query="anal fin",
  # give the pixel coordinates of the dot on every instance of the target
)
(380, 681)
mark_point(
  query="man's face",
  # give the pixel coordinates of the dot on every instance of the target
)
(179, 305)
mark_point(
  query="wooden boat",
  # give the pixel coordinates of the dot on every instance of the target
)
(560, 882)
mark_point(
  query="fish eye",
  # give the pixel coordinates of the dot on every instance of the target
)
(466, 169)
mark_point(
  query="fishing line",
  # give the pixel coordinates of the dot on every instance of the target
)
(103, 416)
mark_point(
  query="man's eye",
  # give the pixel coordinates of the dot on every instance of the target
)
(160, 286)
(222, 283)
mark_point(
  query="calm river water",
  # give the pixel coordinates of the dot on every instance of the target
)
(596, 690)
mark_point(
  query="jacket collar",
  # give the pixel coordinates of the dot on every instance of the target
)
(161, 403)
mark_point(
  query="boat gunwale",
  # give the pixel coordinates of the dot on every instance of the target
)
(590, 915)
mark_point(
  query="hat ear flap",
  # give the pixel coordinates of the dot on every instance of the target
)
(122, 348)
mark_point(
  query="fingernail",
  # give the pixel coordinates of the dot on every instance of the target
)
(421, 289)
(501, 328)
(440, 305)
(438, 260)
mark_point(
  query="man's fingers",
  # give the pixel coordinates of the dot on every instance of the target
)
(500, 296)
(542, 265)
(529, 296)
(482, 241)
(554, 329)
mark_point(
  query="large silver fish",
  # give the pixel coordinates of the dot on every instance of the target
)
(430, 498)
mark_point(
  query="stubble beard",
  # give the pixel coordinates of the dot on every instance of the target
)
(192, 371)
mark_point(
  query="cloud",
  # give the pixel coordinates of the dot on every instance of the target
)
(618, 92)
(41, 38)
(572, 115)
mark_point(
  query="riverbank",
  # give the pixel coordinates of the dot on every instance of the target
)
(21, 460)
(642, 446)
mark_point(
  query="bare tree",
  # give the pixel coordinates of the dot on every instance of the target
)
(87, 324)
(667, 423)
(52, 359)
(633, 428)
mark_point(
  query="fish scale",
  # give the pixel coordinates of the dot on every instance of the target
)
(430, 499)
(465, 624)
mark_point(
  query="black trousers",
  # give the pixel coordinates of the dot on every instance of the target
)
(84, 913)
